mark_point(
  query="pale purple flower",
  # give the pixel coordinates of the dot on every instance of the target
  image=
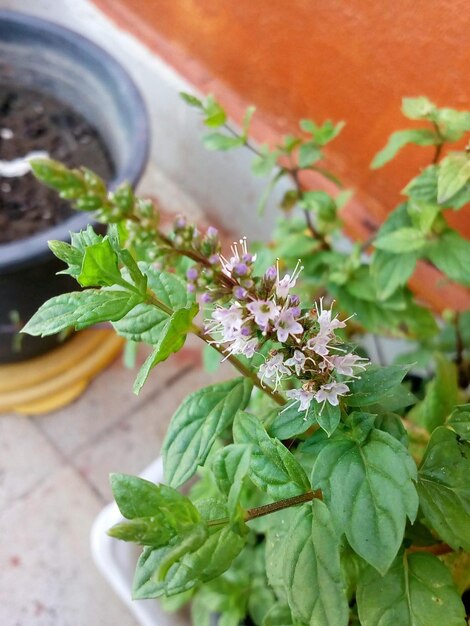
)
(192, 273)
(302, 396)
(228, 322)
(243, 345)
(319, 344)
(286, 325)
(212, 232)
(330, 392)
(297, 361)
(327, 324)
(284, 285)
(345, 364)
(270, 274)
(263, 311)
(274, 369)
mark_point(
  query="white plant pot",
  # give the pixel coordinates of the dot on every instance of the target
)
(116, 560)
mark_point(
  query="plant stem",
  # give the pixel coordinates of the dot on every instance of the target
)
(272, 507)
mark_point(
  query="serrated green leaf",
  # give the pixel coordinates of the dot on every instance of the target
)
(218, 141)
(200, 419)
(391, 271)
(208, 561)
(68, 254)
(137, 497)
(399, 139)
(450, 252)
(171, 339)
(143, 324)
(312, 574)
(417, 108)
(370, 492)
(58, 176)
(416, 591)
(80, 309)
(273, 468)
(169, 288)
(402, 240)
(100, 266)
(230, 465)
(453, 174)
(440, 396)
(375, 382)
(290, 422)
(443, 487)
(328, 417)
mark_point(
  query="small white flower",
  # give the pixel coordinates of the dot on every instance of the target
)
(284, 285)
(327, 324)
(319, 344)
(274, 369)
(330, 392)
(286, 325)
(227, 322)
(297, 361)
(302, 396)
(346, 364)
(263, 311)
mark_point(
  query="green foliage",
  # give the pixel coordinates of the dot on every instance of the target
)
(312, 571)
(443, 487)
(273, 468)
(416, 591)
(230, 466)
(375, 384)
(401, 138)
(451, 254)
(193, 429)
(370, 492)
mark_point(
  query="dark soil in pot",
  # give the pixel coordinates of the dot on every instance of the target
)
(31, 121)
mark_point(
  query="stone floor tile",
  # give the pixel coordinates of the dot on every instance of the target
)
(26, 458)
(107, 399)
(47, 574)
(135, 441)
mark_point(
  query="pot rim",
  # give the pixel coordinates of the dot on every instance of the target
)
(24, 252)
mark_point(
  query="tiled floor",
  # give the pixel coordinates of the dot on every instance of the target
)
(54, 480)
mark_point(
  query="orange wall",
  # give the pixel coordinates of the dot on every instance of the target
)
(350, 60)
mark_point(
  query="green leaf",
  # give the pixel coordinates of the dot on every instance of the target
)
(169, 288)
(370, 492)
(68, 254)
(210, 358)
(453, 174)
(230, 465)
(80, 309)
(218, 141)
(417, 108)
(266, 161)
(137, 497)
(328, 417)
(399, 139)
(391, 271)
(309, 153)
(452, 124)
(312, 574)
(100, 266)
(417, 591)
(172, 337)
(392, 424)
(214, 114)
(444, 489)
(191, 100)
(208, 561)
(450, 252)
(402, 240)
(278, 615)
(424, 186)
(440, 396)
(273, 468)
(290, 422)
(68, 182)
(250, 111)
(200, 419)
(423, 214)
(143, 324)
(375, 382)
(459, 421)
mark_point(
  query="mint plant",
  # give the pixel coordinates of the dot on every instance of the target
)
(314, 488)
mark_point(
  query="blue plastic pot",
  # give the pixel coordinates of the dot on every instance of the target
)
(44, 56)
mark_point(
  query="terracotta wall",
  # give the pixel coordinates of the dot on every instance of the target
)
(350, 60)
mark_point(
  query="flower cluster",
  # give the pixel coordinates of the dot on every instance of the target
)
(304, 345)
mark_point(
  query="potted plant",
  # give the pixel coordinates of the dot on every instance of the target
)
(327, 492)
(61, 95)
